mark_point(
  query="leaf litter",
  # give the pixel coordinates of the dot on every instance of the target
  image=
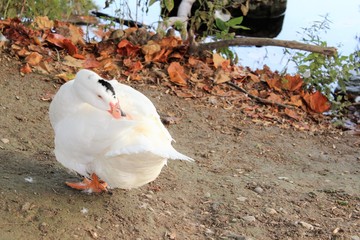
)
(58, 49)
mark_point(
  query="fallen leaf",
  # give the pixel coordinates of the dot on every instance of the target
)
(91, 62)
(316, 101)
(65, 76)
(25, 68)
(274, 83)
(126, 48)
(70, 47)
(23, 52)
(221, 77)
(296, 100)
(177, 74)
(42, 22)
(150, 49)
(78, 56)
(292, 114)
(218, 60)
(253, 77)
(292, 83)
(273, 97)
(76, 35)
(56, 39)
(33, 58)
(73, 62)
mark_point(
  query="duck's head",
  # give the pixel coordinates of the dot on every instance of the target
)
(97, 92)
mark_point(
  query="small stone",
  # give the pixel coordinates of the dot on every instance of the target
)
(25, 207)
(148, 196)
(259, 190)
(249, 218)
(5, 140)
(42, 226)
(241, 199)
(355, 238)
(207, 195)
(29, 179)
(271, 211)
(306, 225)
(283, 178)
(84, 210)
(209, 231)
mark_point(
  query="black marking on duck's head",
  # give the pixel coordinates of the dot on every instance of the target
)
(107, 85)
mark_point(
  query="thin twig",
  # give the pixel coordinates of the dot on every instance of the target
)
(262, 100)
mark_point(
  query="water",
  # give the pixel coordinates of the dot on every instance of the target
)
(345, 18)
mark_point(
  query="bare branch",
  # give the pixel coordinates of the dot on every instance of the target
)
(252, 41)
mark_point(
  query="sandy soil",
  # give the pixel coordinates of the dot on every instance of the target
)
(248, 182)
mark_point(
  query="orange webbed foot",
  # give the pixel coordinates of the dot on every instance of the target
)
(89, 185)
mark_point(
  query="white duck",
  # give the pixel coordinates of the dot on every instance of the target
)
(110, 131)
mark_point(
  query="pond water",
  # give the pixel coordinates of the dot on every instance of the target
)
(345, 18)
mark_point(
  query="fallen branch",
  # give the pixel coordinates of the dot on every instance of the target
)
(252, 41)
(129, 23)
(262, 100)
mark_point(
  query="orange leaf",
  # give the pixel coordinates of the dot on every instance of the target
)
(177, 74)
(56, 39)
(253, 77)
(70, 47)
(292, 114)
(170, 42)
(218, 60)
(292, 83)
(316, 101)
(34, 58)
(274, 98)
(126, 48)
(91, 62)
(42, 23)
(78, 56)
(25, 68)
(274, 83)
(221, 77)
(296, 100)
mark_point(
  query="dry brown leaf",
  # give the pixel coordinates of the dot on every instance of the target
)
(25, 68)
(177, 74)
(221, 77)
(292, 114)
(292, 83)
(56, 39)
(253, 77)
(274, 83)
(65, 76)
(316, 101)
(150, 49)
(218, 60)
(126, 48)
(42, 23)
(34, 58)
(73, 62)
(273, 97)
(76, 35)
(296, 100)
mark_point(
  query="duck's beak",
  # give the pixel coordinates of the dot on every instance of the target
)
(116, 111)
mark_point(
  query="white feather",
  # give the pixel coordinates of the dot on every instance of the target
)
(126, 152)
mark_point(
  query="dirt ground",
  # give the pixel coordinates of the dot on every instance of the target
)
(249, 181)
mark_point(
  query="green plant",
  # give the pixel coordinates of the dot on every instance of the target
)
(54, 9)
(321, 72)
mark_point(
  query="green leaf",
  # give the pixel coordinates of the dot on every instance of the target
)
(234, 21)
(221, 24)
(240, 27)
(151, 2)
(169, 4)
